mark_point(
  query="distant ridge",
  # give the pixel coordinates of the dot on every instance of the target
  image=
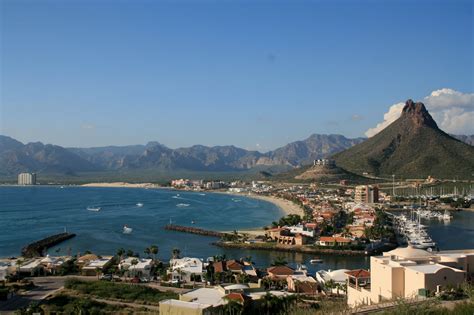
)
(412, 146)
(17, 157)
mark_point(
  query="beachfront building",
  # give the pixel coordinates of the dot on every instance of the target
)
(301, 229)
(136, 267)
(331, 241)
(408, 273)
(93, 267)
(27, 179)
(366, 194)
(52, 264)
(186, 269)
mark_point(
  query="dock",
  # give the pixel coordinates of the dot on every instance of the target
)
(38, 248)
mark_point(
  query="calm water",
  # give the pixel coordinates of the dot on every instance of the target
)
(31, 213)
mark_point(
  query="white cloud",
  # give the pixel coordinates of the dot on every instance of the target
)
(452, 110)
(388, 118)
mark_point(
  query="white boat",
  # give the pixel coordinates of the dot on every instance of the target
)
(127, 230)
(139, 204)
(181, 205)
(315, 261)
(95, 209)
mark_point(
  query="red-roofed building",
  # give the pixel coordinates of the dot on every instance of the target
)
(333, 241)
(279, 272)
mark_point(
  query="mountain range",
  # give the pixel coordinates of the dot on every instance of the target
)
(413, 147)
(37, 157)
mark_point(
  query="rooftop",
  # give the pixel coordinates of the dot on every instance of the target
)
(210, 296)
(430, 268)
(358, 273)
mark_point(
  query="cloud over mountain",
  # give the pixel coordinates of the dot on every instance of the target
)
(453, 110)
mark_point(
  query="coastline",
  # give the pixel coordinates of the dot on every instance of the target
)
(286, 207)
(122, 185)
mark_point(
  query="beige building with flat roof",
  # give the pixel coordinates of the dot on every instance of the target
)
(408, 273)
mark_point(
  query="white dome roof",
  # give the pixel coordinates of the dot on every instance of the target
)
(338, 275)
(409, 252)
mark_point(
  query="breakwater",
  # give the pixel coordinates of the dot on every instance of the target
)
(290, 248)
(38, 248)
(193, 230)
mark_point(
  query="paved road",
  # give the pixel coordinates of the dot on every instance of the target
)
(45, 287)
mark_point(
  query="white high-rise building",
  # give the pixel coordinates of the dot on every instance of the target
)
(27, 179)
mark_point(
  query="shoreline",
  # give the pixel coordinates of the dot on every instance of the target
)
(122, 185)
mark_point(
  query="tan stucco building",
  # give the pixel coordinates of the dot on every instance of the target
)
(407, 273)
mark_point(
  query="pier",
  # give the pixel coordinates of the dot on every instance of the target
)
(38, 248)
(193, 230)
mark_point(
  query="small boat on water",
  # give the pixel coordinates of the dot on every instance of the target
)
(95, 209)
(181, 205)
(192, 222)
(139, 205)
(127, 230)
(315, 260)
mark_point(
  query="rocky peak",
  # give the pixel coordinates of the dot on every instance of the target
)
(418, 114)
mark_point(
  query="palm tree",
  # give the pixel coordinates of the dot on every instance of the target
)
(120, 253)
(279, 261)
(147, 251)
(154, 251)
(330, 285)
(268, 303)
(233, 307)
(130, 253)
(176, 253)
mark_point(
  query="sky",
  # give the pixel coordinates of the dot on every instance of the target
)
(255, 74)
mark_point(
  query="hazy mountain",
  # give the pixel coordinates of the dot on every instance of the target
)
(412, 146)
(15, 156)
(315, 147)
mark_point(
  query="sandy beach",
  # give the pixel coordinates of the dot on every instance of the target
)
(286, 206)
(122, 184)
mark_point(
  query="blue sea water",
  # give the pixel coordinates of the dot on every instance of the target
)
(28, 214)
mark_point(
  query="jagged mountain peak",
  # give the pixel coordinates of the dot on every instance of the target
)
(418, 114)
(412, 146)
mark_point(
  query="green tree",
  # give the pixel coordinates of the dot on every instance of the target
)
(176, 253)
(154, 251)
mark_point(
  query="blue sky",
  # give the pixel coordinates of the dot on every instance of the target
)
(256, 74)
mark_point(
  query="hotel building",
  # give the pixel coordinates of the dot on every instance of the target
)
(408, 273)
(27, 179)
(366, 194)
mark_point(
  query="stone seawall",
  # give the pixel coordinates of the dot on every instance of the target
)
(193, 230)
(38, 248)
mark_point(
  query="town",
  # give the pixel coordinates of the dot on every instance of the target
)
(373, 220)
